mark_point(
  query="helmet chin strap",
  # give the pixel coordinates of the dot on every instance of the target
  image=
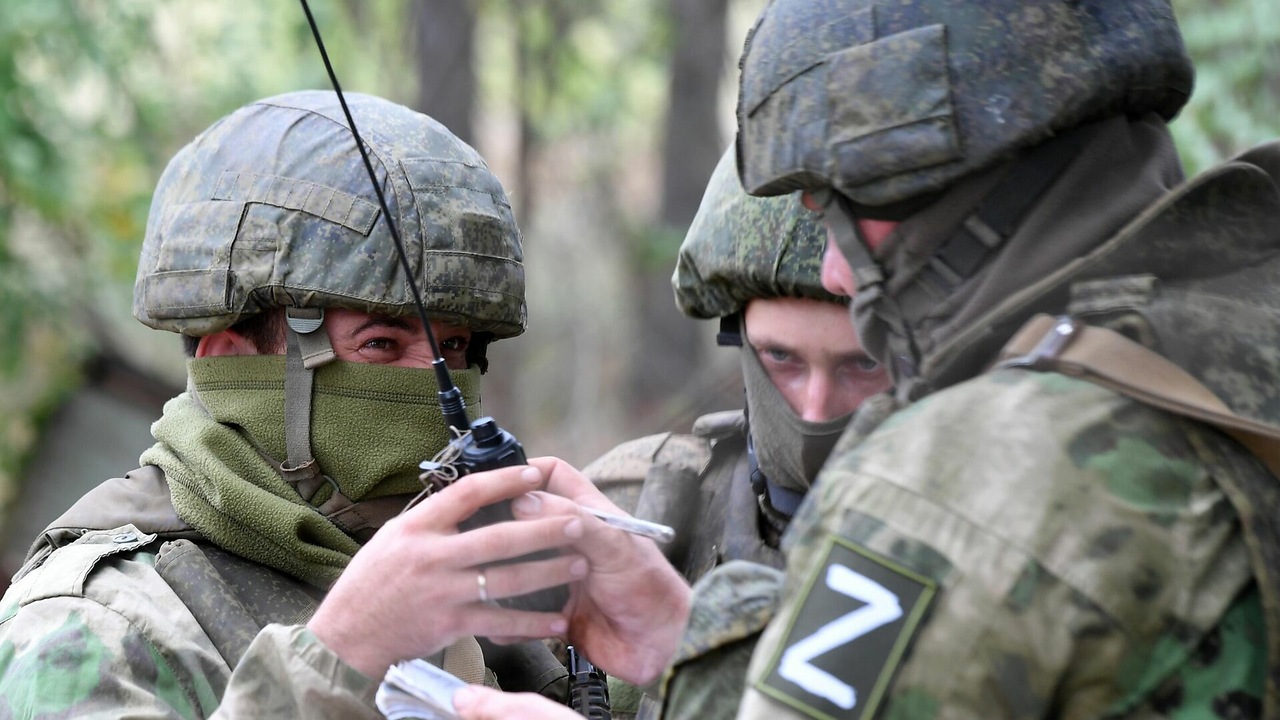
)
(308, 349)
(887, 337)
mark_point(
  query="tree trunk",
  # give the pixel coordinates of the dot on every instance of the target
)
(670, 344)
(692, 144)
(444, 32)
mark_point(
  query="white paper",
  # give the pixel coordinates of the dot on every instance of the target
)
(417, 689)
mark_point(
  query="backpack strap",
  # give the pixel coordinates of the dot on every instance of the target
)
(1107, 358)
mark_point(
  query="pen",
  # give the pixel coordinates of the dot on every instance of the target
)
(652, 530)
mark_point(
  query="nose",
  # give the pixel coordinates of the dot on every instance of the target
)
(819, 403)
(837, 276)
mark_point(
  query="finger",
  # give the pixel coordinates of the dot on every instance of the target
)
(468, 494)
(567, 481)
(599, 542)
(503, 581)
(517, 538)
(486, 620)
(475, 702)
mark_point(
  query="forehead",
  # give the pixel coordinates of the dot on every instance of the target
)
(352, 320)
(346, 317)
(801, 324)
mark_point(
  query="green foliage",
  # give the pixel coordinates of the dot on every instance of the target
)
(576, 67)
(1236, 48)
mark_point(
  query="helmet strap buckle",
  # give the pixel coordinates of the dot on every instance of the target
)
(308, 349)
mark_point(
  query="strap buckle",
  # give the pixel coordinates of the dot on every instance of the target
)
(1044, 355)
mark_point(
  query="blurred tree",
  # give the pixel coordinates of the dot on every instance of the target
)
(1236, 103)
(692, 145)
(444, 48)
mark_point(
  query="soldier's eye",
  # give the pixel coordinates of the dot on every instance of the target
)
(777, 355)
(455, 344)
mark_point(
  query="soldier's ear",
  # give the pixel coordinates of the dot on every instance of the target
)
(227, 343)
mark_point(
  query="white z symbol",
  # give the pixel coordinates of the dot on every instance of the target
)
(881, 607)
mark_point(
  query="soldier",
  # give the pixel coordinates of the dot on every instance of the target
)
(755, 264)
(731, 487)
(221, 573)
(1068, 534)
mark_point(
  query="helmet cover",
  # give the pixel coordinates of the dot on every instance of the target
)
(886, 101)
(272, 206)
(740, 248)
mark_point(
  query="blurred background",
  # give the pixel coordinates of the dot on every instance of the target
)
(603, 120)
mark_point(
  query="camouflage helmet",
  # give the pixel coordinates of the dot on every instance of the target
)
(888, 101)
(740, 248)
(272, 206)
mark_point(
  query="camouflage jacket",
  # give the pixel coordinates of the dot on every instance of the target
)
(150, 620)
(97, 625)
(1028, 545)
(698, 484)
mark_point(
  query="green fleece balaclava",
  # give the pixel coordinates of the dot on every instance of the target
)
(220, 445)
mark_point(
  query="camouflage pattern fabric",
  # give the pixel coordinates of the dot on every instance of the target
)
(271, 206)
(731, 606)
(149, 619)
(1028, 545)
(740, 248)
(287, 672)
(1046, 527)
(886, 101)
(122, 620)
(95, 631)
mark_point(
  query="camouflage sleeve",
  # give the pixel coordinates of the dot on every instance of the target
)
(70, 657)
(288, 672)
(731, 605)
(1003, 550)
(93, 631)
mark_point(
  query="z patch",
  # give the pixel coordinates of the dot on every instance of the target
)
(858, 614)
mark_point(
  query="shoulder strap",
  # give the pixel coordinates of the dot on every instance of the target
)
(233, 599)
(1107, 358)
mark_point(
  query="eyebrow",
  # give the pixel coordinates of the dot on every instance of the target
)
(769, 344)
(382, 321)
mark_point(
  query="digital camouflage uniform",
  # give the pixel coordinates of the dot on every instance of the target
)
(181, 589)
(1011, 543)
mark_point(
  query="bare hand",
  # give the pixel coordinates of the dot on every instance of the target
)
(628, 614)
(414, 588)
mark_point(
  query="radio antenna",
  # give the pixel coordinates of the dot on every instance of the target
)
(452, 405)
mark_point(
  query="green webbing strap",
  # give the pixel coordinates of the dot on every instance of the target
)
(308, 348)
(869, 278)
(866, 271)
